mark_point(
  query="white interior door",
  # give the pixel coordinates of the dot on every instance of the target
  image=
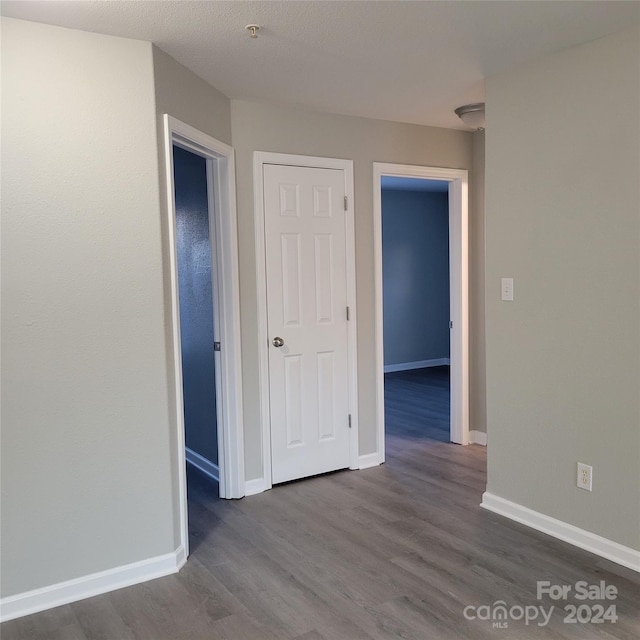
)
(306, 269)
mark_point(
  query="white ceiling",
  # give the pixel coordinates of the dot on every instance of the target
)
(406, 61)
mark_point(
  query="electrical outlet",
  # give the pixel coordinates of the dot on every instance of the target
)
(506, 289)
(585, 477)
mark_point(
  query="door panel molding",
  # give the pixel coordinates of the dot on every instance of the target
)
(458, 180)
(223, 234)
(261, 158)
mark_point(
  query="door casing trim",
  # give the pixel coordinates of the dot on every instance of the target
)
(223, 233)
(458, 180)
(261, 158)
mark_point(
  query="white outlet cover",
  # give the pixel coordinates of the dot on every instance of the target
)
(584, 478)
(506, 289)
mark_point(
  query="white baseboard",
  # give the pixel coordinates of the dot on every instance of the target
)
(181, 558)
(603, 547)
(478, 437)
(94, 584)
(369, 460)
(200, 462)
(251, 487)
(258, 485)
(420, 364)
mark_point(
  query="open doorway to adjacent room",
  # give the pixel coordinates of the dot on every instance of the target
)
(205, 317)
(421, 220)
(415, 282)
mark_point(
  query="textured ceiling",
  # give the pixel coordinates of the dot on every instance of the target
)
(405, 61)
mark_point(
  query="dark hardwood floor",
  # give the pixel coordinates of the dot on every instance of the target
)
(396, 551)
(417, 405)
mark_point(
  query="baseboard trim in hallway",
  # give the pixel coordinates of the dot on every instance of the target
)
(419, 364)
(202, 463)
(478, 437)
(94, 584)
(603, 547)
(369, 460)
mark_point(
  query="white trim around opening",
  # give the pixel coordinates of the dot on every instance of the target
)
(223, 226)
(260, 159)
(458, 180)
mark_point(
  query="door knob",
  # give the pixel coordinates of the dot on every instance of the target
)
(278, 342)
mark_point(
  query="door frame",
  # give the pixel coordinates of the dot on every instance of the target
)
(458, 180)
(221, 195)
(261, 158)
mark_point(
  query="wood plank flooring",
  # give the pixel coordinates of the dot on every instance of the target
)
(417, 404)
(396, 551)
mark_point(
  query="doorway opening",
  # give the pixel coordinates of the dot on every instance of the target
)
(415, 274)
(205, 317)
(429, 371)
(199, 307)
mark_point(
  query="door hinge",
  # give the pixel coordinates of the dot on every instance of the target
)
(349, 421)
(216, 346)
(346, 203)
(348, 314)
(450, 324)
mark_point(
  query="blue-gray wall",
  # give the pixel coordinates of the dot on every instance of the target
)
(196, 303)
(415, 259)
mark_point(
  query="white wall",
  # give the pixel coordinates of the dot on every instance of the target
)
(477, 357)
(186, 96)
(264, 127)
(562, 219)
(86, 480)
